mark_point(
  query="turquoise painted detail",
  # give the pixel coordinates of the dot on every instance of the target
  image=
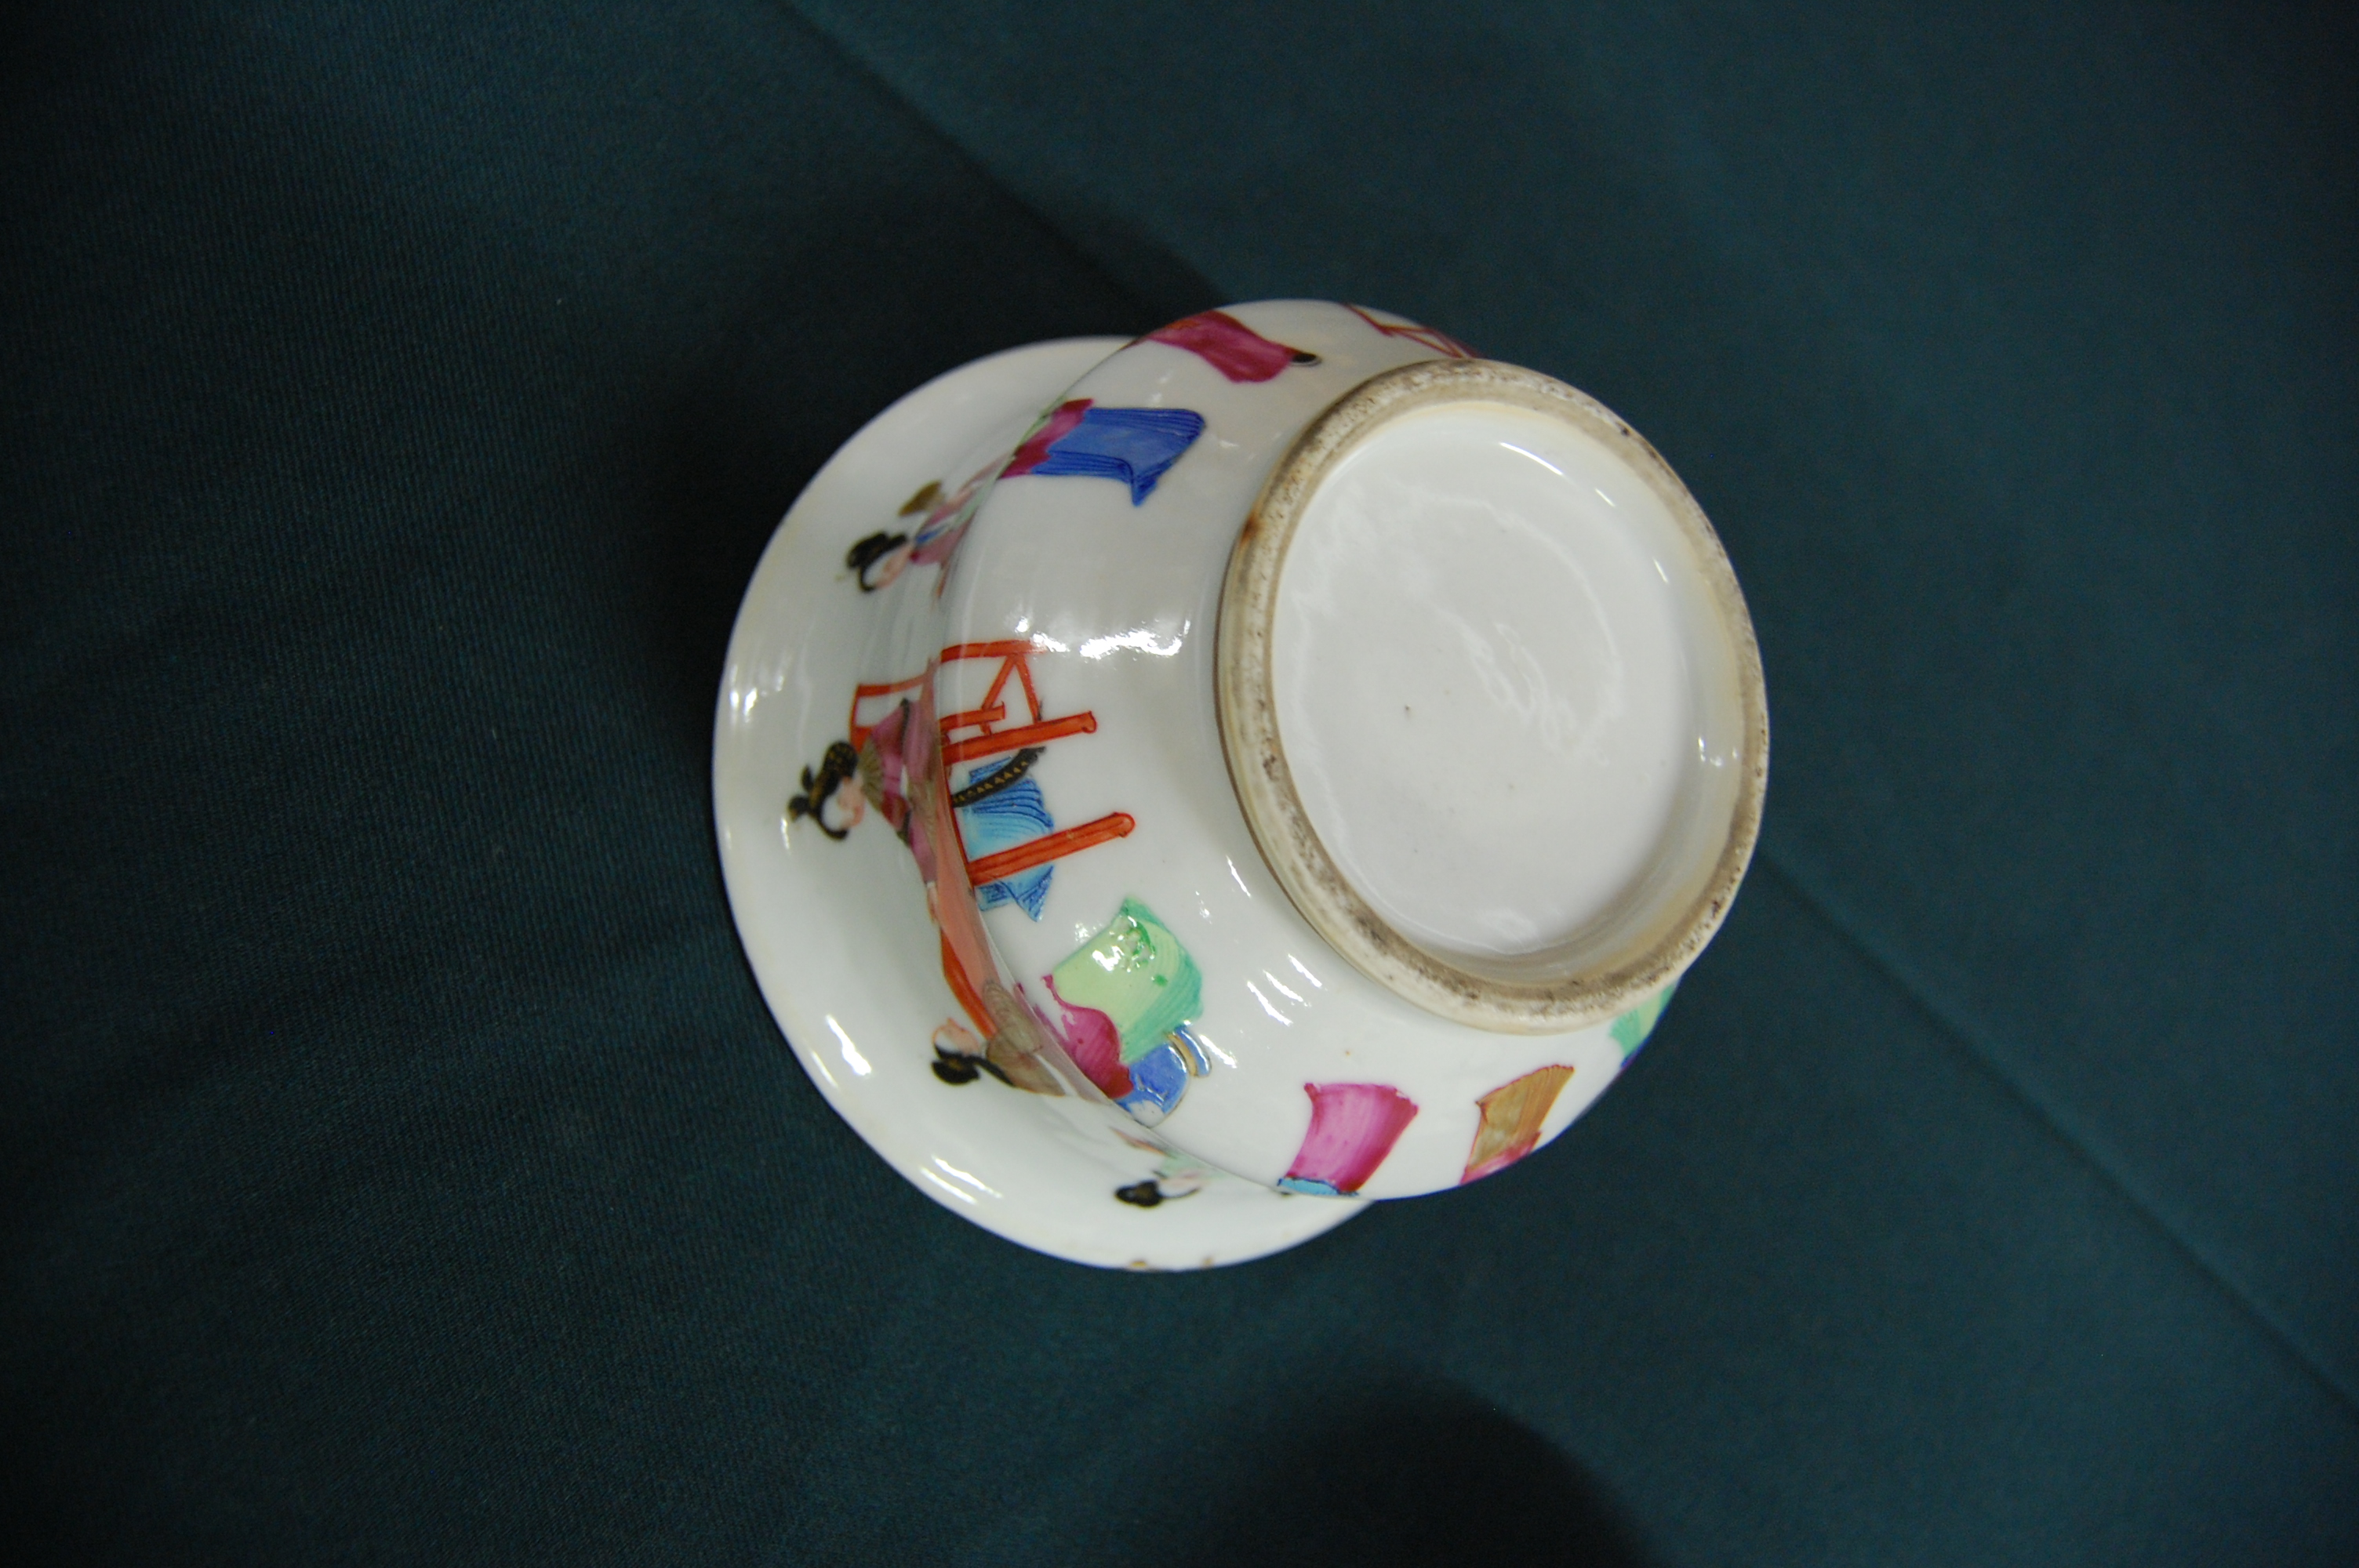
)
(1630, 1030)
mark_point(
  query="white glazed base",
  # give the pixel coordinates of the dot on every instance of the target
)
(838, 933)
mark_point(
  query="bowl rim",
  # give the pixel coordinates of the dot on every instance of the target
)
(1245, 698)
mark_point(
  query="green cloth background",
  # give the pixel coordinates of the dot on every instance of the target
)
(396, 1162)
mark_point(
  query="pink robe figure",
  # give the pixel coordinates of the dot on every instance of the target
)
(887, 744)
(1352, 1128)
(938, 537)
(1229, 346)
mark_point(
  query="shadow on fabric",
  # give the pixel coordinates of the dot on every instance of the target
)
(1416, 1475)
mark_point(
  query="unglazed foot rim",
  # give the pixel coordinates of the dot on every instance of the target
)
(1547, 991)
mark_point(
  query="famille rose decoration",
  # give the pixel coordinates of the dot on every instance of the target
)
(1173, 792)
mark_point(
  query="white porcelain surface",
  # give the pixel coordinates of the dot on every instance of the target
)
(1481, 676)
(837, 933)
(1063, 633)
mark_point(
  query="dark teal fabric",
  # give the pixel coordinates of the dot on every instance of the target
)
(396, 1161)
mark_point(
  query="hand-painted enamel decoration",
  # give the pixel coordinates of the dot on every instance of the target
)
(1210, 937)
(1352, 1128)
(1442, 343)
(1231, 347)
(1513, 1115)
(1134, 446)
(1122, 1002)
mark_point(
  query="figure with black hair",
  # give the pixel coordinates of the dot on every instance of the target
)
(878, 560)
(836, 784)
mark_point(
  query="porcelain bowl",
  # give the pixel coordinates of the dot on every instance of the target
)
(1321, 750)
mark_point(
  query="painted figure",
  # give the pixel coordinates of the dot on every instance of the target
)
(903, 781)
(1135, 445)
(989, 842)
(1630, 1031)
(960, 1057)
(1120, 1005)
(834, 789)
(1176, 1177)
(1512, 1114)
(1231, 347)
(878, 560)
(1352, 1128)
